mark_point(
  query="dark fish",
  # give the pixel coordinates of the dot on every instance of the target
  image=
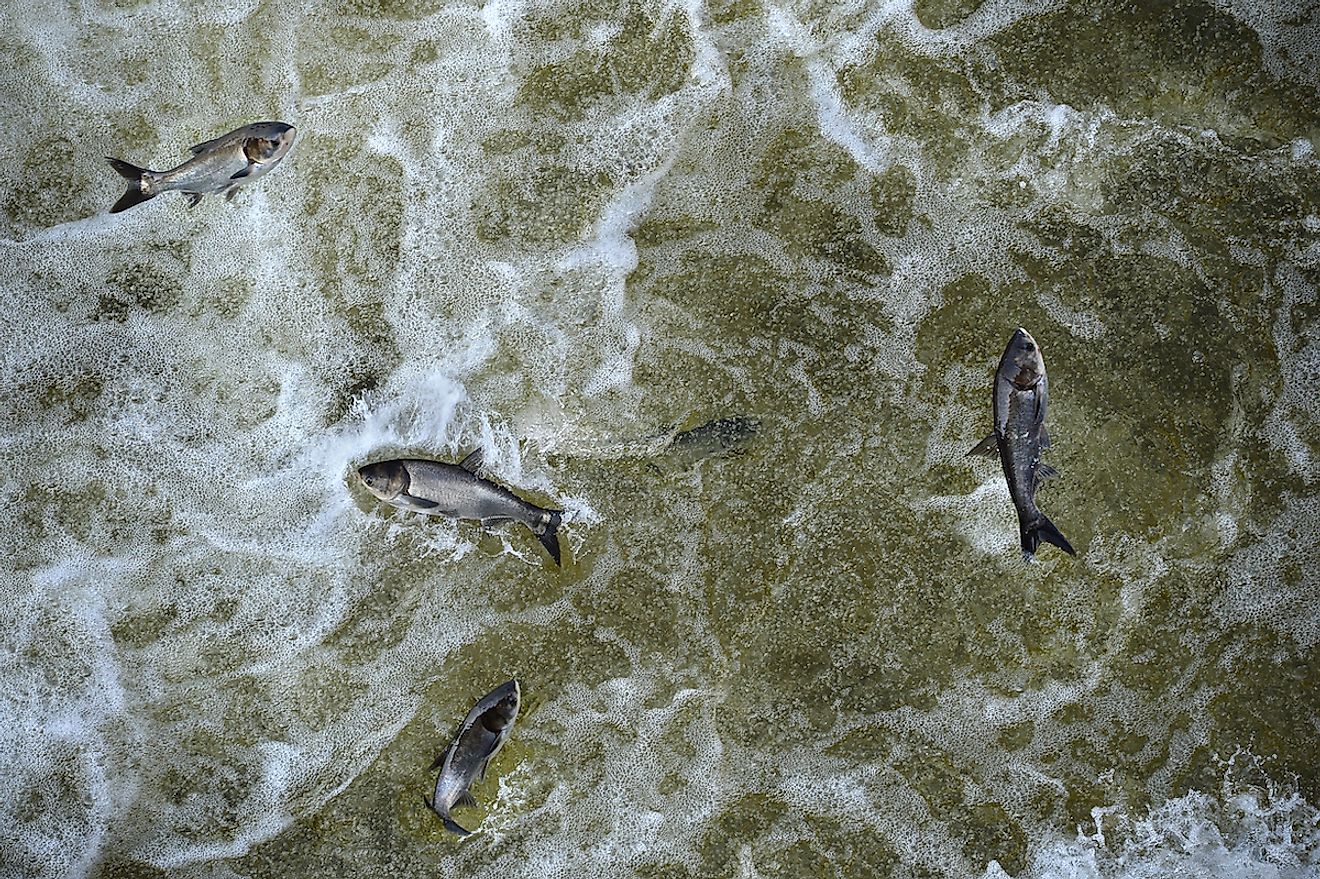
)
(722, 437)
(1021, 397)
(218, 167)
(464, 762)
(457, 491)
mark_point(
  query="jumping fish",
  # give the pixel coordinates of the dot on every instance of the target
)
(1020, 399)
(218, 167)
(464, 762)
(458, 491)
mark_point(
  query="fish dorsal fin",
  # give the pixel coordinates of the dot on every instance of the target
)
(472, 463)
(1045, 471)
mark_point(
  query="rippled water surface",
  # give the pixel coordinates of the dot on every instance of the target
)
(564, 231)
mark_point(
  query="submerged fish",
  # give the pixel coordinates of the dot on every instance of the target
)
(721, 437)
(218, 167)
(464, 762)
(456, 490)
(1021, 397)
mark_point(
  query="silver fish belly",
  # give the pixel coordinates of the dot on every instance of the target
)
(464, 762)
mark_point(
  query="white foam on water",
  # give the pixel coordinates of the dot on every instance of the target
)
(1267, 581)
(984, 517)
(628, 819)
(204, 552)
(1263, 830)
(1289, 34)
(1292, 416)
(1083, 324)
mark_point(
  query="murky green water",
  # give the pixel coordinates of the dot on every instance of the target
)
(560, 230)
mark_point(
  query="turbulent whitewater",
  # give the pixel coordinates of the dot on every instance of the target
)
(565, 233)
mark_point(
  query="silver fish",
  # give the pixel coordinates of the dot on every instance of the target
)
(464, 762)
(458, 491)
(1021, 398)
(218, 167)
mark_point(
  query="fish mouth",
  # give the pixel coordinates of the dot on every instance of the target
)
(1024, 353)
(511, 693)
(509, 689)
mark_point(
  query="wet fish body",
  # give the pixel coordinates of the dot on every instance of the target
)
(1021, 398)
(460, 492)
(218, 166)
(463, 763)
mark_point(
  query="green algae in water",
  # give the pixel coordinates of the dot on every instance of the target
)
(554, 232)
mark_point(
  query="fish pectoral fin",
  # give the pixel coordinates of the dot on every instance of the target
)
(194, 199)
(244, 172)
(1045, 471)
(988, 446)
(420, 503)
(472, 463)
(466, 800)
(495, 521)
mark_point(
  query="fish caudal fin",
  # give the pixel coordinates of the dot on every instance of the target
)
(134, 174)
(549, 535)
(1043, 529)
(454, 827)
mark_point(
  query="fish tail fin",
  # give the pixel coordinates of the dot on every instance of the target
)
(549, 535)
(135, 175)
(454, 827)
(1043, 529)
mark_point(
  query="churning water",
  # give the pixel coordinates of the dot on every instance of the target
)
(563, 231)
